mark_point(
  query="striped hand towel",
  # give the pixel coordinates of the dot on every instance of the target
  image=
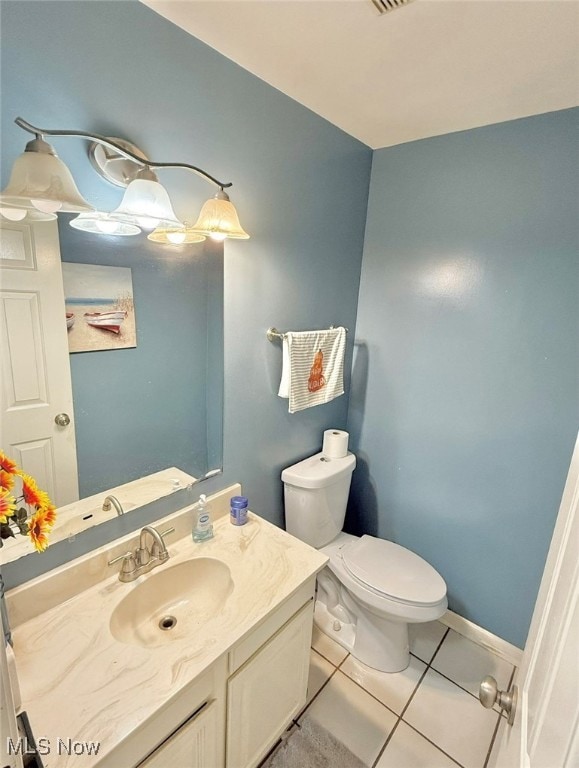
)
(313, 367)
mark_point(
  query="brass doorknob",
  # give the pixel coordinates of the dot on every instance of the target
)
(62, 419)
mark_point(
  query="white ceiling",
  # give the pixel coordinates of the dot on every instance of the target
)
(425, 69)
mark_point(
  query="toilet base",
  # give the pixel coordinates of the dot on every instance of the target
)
(378, 643)
(342, 632)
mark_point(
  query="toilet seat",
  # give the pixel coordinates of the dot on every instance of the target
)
(392, 571)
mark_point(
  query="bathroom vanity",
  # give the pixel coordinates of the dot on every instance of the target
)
(105, 683)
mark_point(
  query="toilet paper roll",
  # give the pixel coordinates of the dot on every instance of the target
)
(335, 443)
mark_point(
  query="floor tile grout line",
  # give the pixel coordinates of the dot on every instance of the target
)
(413, 694)
(474, 695)
(491, 745)
(438, 647)
(434, 744)
(458, 685)
(333, 663)
(419, 658)
(400, 716)
(314, 697)
(325, 658)
(450, 678)
(347, 656)
(369, 692)
(388, 738)
(338, 669)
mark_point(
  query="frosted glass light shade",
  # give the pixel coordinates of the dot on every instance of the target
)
(172, 236)
(42, 181)
(99, 223)
(146, 204)
(27, 214)
(12, 214)
(218, 219)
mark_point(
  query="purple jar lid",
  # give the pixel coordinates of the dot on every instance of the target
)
(239, 502)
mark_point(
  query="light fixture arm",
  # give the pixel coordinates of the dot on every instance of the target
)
(39, 132)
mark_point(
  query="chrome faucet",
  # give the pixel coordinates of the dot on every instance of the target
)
(115, 503)
(143, 559)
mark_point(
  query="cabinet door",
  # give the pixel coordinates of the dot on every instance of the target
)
(270, 689)
(196, 744)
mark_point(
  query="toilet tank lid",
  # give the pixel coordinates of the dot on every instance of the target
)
(318, 471)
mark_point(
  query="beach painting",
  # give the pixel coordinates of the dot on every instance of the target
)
(100, 311)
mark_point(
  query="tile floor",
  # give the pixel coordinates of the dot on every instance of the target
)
(428, 716)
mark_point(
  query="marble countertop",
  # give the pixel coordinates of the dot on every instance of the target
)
(85, 513)
(78, 682)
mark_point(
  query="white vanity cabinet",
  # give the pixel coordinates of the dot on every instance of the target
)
(268, 691)
(196, 744)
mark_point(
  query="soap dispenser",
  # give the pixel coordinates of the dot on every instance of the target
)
(203, 528)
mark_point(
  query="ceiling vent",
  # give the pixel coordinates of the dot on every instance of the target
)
(385, 6)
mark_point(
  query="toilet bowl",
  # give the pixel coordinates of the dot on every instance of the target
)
(371, 588)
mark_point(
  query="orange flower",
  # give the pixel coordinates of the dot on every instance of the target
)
(7, 464)
(50, 515)
(38, 530)
(7, 506)
(32, 493)
(6, 480)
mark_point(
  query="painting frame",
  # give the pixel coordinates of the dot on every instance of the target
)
(99, 306)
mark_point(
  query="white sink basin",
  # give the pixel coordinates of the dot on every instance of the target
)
(172, 603)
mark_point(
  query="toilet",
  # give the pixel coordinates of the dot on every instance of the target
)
(371, 588)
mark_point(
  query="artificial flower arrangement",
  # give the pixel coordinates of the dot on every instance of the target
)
(23, 506)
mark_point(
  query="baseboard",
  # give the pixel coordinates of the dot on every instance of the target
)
(483, 637)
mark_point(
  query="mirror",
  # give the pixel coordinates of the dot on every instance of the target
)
(158, 405)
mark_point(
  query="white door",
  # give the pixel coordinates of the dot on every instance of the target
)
(35, 385)
(545, 733)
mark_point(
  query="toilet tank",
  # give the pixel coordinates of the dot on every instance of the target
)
(315, 495)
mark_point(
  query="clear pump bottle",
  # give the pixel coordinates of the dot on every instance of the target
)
(203, 528)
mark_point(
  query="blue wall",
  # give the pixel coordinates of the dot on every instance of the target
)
(464, 406)
(300, 187)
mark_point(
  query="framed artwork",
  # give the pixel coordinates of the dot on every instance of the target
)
(100, 311)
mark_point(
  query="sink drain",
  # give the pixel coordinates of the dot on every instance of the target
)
(167, 622)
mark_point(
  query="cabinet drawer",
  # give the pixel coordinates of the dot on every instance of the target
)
(270, 689)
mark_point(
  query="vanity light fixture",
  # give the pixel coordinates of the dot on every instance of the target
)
(41, 185)
(41, 181)
(31, 214)
(175, 236)
(146, 203)
(100, 223)
(218, 219)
